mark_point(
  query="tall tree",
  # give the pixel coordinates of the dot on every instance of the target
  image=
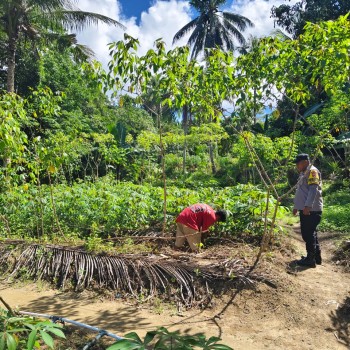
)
(37, 18)
(213, 28)
(294, 17)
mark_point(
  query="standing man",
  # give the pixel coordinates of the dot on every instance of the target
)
(308, 202)
(195, 220)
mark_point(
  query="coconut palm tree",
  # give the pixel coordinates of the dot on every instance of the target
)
(213, 28)
(34, 19)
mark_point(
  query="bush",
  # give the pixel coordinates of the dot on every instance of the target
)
(336, 214)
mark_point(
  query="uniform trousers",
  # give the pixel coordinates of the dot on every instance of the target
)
(308, 227)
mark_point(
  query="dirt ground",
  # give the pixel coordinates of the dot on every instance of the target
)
(309, 309)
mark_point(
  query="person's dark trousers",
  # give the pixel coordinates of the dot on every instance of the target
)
(308, 227)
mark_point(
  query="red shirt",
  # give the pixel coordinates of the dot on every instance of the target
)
(198, 216)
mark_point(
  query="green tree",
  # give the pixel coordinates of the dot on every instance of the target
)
(84, 107)
(294, 17)
(36, 18)
(213, 28)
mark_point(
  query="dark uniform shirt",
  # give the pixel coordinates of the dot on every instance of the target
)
(309, 190)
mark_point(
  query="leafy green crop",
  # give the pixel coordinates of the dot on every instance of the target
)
(106, 208)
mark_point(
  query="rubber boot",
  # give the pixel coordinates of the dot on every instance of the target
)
(308, 261)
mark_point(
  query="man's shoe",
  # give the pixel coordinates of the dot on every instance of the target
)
(318, 259)
(307, 262)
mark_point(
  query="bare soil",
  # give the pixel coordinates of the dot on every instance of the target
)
(309, 309)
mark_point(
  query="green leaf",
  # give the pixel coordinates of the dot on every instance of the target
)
(126, 344)
(30, 326)
(11, 342)
(149, 337)
(212, 340)
(47, 339)
(16, 330)
(56, 331)
(31, 339)
(219, 347)
(2, 342)
(15, 319)
(134, 336)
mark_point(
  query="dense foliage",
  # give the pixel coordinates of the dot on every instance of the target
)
(77, 162)
(106, 208)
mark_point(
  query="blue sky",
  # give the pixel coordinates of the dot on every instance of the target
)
(134, 8)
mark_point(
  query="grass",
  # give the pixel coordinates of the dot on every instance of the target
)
(336, 211)
(336, 214)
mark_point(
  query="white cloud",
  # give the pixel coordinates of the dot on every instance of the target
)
(259, 12)
(162, 20)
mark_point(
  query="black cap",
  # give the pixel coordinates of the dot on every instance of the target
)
(300, 157)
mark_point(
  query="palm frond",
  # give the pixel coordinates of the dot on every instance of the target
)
(197, 40)
(217, 33)
(235, 32)
(49, 5)
(199, 31)
(188, 282)
(78, 20)
(227, 39)
(82, 53)
(63, 40)
(239, 21)
(185, 29)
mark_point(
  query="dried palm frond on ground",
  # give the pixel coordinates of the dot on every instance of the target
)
(182, 278)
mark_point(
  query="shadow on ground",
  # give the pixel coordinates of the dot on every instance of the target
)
(64, 305)
(341, 322)
(294, 268)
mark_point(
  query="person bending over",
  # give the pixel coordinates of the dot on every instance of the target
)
(193, 221)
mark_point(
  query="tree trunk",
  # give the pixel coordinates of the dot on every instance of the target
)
(211, 156)
(185, 127)
(11, 63)
(40, 197)
(53, 204)
(162, 155)
(254, 106)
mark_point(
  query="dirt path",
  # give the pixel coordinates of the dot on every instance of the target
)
(310, 309)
